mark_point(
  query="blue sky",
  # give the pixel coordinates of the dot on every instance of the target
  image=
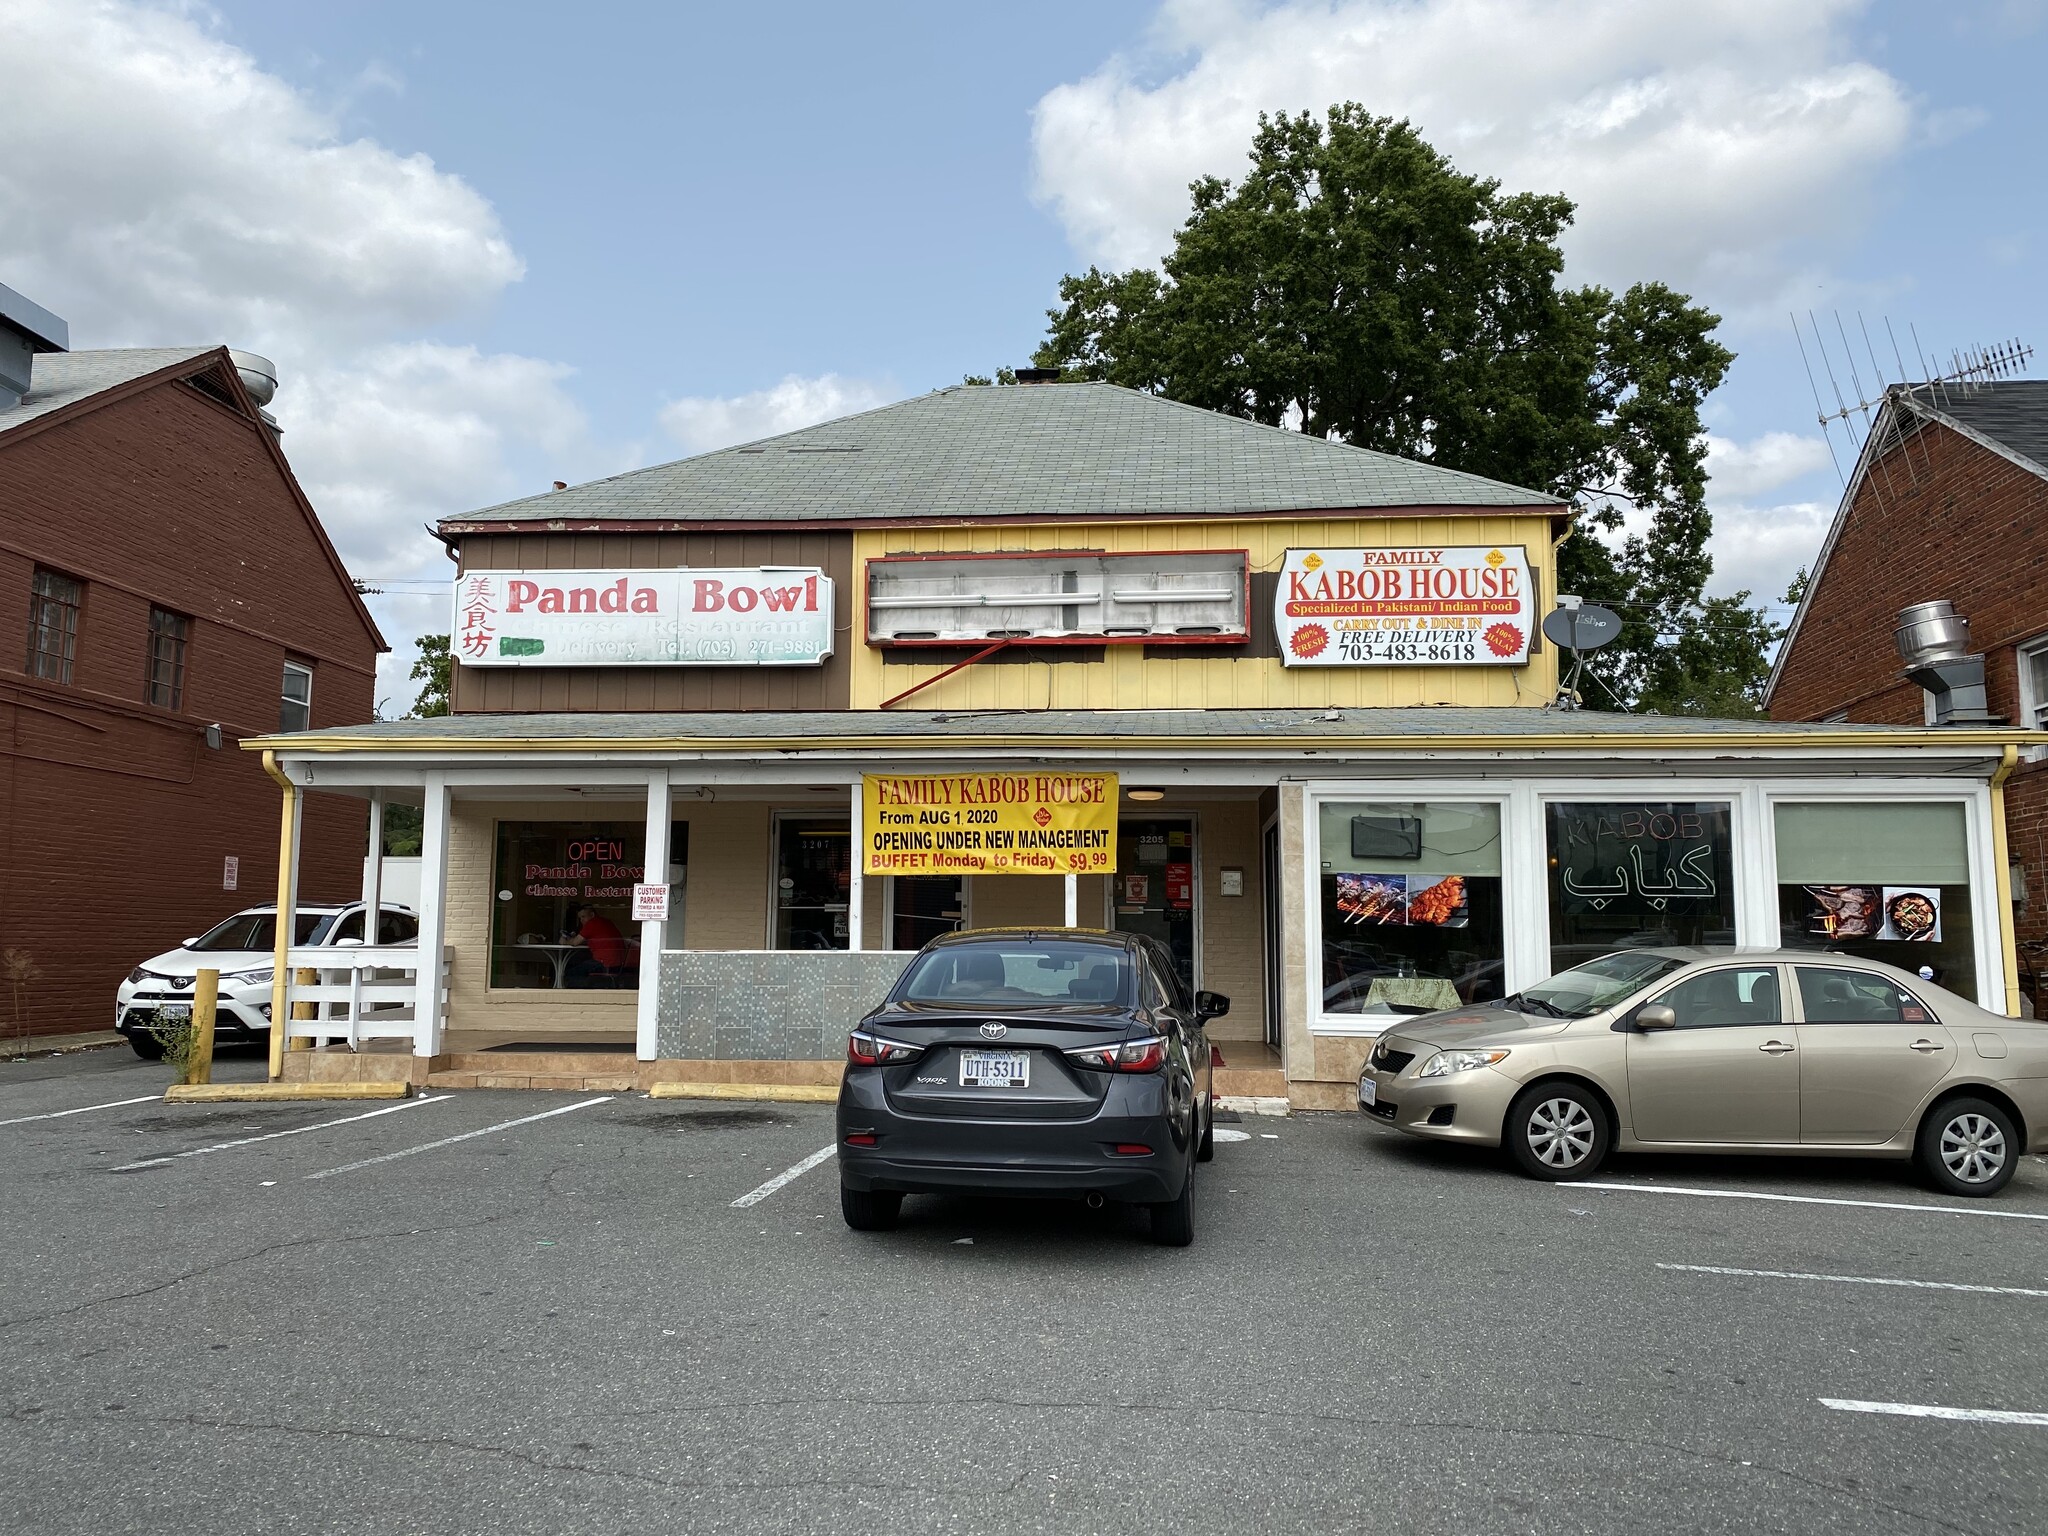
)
(496, 244)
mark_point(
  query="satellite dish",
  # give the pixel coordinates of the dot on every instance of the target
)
(1584, 628)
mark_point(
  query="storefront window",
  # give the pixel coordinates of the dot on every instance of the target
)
(924, 906)
(1411, 906)
(1887, 882)
(813, 876)
(564, 909)
(1634, 875)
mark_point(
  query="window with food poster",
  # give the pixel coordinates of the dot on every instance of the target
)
(1411, 906)
(1887, 880)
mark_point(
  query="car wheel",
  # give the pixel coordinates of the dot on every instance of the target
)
(1173, 1221)
(1205, 1149)
(869, 1210)
(1968, 1147)
(146, 1042)
(1557, 1131)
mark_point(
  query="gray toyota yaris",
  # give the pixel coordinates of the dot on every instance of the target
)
(1052, 1062)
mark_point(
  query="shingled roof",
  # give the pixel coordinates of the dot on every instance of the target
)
(1013, 452)
(58, 379)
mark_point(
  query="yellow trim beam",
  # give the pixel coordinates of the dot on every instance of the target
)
(769, 1093)
(2001, 875)
(281, 953)
(236, 1093)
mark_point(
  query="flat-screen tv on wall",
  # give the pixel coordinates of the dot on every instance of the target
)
(1386, 837)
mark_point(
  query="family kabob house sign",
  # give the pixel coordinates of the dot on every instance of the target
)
(767, 616)
(989, 823)
(1473, 606)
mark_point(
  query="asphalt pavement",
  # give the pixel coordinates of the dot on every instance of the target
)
(532, 1312)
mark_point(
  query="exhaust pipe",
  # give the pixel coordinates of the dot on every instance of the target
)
(1093, 1200)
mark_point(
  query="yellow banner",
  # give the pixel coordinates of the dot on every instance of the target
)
(989, 823)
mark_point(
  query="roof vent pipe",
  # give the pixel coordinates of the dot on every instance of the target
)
(258, 376)
(1934, 642)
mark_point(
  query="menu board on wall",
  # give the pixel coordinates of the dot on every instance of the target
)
(1431, 606)
(765, 616)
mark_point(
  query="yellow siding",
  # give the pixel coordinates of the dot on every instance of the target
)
(1126, 679)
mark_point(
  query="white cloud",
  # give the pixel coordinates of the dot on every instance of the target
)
(1739, 471)
(1761, 548)
(704, 422)
(159, 187)
(1711, 145)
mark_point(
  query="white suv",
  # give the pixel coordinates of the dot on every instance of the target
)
(243, 950)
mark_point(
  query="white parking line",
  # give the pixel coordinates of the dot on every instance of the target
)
(755, 1197)
(1873, 1205)
(1930, 1411)
(147, 1098)
(449, 1141)
(1914, 1285)
(249, 1141)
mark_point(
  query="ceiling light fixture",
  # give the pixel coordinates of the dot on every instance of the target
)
(1146, 794)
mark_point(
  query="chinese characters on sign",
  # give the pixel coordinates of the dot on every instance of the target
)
(1405, 607)
(989, 823)
(764, 617)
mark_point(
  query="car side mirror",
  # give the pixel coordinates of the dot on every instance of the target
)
(338, 943)
(1656, 1016)
(1211, 1005)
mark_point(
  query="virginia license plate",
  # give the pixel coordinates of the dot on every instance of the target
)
(995, 1069)
(1368, 1093)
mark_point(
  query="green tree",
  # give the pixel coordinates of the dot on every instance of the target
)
(1356, 285)
(434, 671)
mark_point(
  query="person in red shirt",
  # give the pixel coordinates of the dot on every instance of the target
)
(605, 952)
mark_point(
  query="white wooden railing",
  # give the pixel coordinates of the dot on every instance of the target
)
(362, 992)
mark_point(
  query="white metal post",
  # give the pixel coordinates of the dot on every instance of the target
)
(428, 1024)
(1073, 901)
(373, 872)
(856, 882)
(654, 857)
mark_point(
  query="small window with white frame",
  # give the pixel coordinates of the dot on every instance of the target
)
(295, 709)
(2033, 660)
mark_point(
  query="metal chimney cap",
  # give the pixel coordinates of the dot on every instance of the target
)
(258, 375)
(1931, 632)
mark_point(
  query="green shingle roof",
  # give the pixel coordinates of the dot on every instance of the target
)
(1024, 451)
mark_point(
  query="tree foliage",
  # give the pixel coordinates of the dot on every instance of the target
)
(434, 670)
(1355, 285)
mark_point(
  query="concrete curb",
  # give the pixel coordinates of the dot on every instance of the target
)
(231, 1093)
(1252, 1104)
(53, 1045)
(773, 1093)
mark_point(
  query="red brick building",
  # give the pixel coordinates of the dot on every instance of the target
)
(1949, 500)
(165, 590)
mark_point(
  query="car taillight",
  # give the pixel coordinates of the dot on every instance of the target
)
(1131, 1056)
(865, 1050)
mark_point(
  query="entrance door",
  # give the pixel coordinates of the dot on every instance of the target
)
(1728, 1074)
(1269, 885)
(1155, 884)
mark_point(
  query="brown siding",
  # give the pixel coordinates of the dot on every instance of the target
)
(115, 817)
(526, 690)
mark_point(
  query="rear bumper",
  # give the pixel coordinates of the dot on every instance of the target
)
(915, 1154)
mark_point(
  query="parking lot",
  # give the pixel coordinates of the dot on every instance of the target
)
(515, 1312)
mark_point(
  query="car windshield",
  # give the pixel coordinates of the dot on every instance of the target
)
(258, 930)
(1586, 989)
(1028, 971)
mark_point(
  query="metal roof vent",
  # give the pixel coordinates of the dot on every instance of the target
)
(258, 375)
(1038, 375)
(26, 328)
(1934, 642)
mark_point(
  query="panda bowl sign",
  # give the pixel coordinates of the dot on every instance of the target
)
(768, 616)
(1458, 607)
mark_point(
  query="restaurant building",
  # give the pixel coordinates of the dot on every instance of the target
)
(1054, 654)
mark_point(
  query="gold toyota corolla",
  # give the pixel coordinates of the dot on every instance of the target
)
(1701, 1050)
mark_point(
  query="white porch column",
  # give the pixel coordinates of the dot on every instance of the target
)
(429, 1023)
(654, 858)
(856, 882)
(1073, 901)
(293, 822)
(373, 871)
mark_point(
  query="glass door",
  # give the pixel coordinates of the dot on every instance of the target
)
(813, 877)
(1155, 884)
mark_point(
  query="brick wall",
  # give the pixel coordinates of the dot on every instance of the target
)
(117, 817)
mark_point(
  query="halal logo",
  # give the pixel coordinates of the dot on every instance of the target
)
(1041, 816)
(1496, 559)
(1312, 563)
